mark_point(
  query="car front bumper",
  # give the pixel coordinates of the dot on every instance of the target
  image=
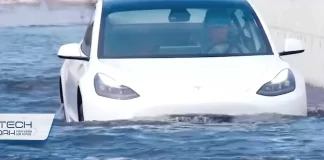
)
(98, 108)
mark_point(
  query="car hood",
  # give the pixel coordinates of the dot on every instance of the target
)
(175, 75)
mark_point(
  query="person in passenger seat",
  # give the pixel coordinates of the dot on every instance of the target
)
(217, 23)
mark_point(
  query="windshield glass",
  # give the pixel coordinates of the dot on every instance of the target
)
(185, 32)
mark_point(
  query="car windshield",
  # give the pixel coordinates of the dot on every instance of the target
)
(185, 32)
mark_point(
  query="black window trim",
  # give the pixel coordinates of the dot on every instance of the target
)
(84, 41)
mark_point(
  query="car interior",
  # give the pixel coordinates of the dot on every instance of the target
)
(174, 38)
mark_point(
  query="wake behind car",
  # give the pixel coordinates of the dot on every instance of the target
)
(144, 58)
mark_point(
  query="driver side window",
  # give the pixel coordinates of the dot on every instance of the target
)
(86, 43)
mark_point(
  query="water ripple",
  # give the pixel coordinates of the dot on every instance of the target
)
(29, 83)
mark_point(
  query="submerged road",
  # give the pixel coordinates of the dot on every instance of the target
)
(29, 84)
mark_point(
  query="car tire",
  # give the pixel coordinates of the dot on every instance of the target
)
(80, 108)
(62, 100)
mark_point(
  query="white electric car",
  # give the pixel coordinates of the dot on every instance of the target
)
(144, 58)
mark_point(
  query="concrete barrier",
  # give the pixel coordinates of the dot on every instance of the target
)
(64, 2)
(76, 1)
(61, 4)
(300, 19)
(70, 2)
(18, 2)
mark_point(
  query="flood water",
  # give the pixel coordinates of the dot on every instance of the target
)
(29, 40)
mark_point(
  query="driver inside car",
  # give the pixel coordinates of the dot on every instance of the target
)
(218, 24)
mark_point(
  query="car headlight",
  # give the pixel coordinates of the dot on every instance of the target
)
(283, 83)
(109, 88)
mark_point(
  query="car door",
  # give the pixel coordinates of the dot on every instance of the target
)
(75, 70)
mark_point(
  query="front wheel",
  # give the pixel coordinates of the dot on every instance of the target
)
(62, 101)
(80, 109)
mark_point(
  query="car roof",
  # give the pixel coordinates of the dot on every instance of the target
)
(110, 4)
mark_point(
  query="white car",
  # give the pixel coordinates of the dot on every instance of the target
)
(144, 58)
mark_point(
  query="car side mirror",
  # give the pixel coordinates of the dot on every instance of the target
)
(71, 51)
(292, 46)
